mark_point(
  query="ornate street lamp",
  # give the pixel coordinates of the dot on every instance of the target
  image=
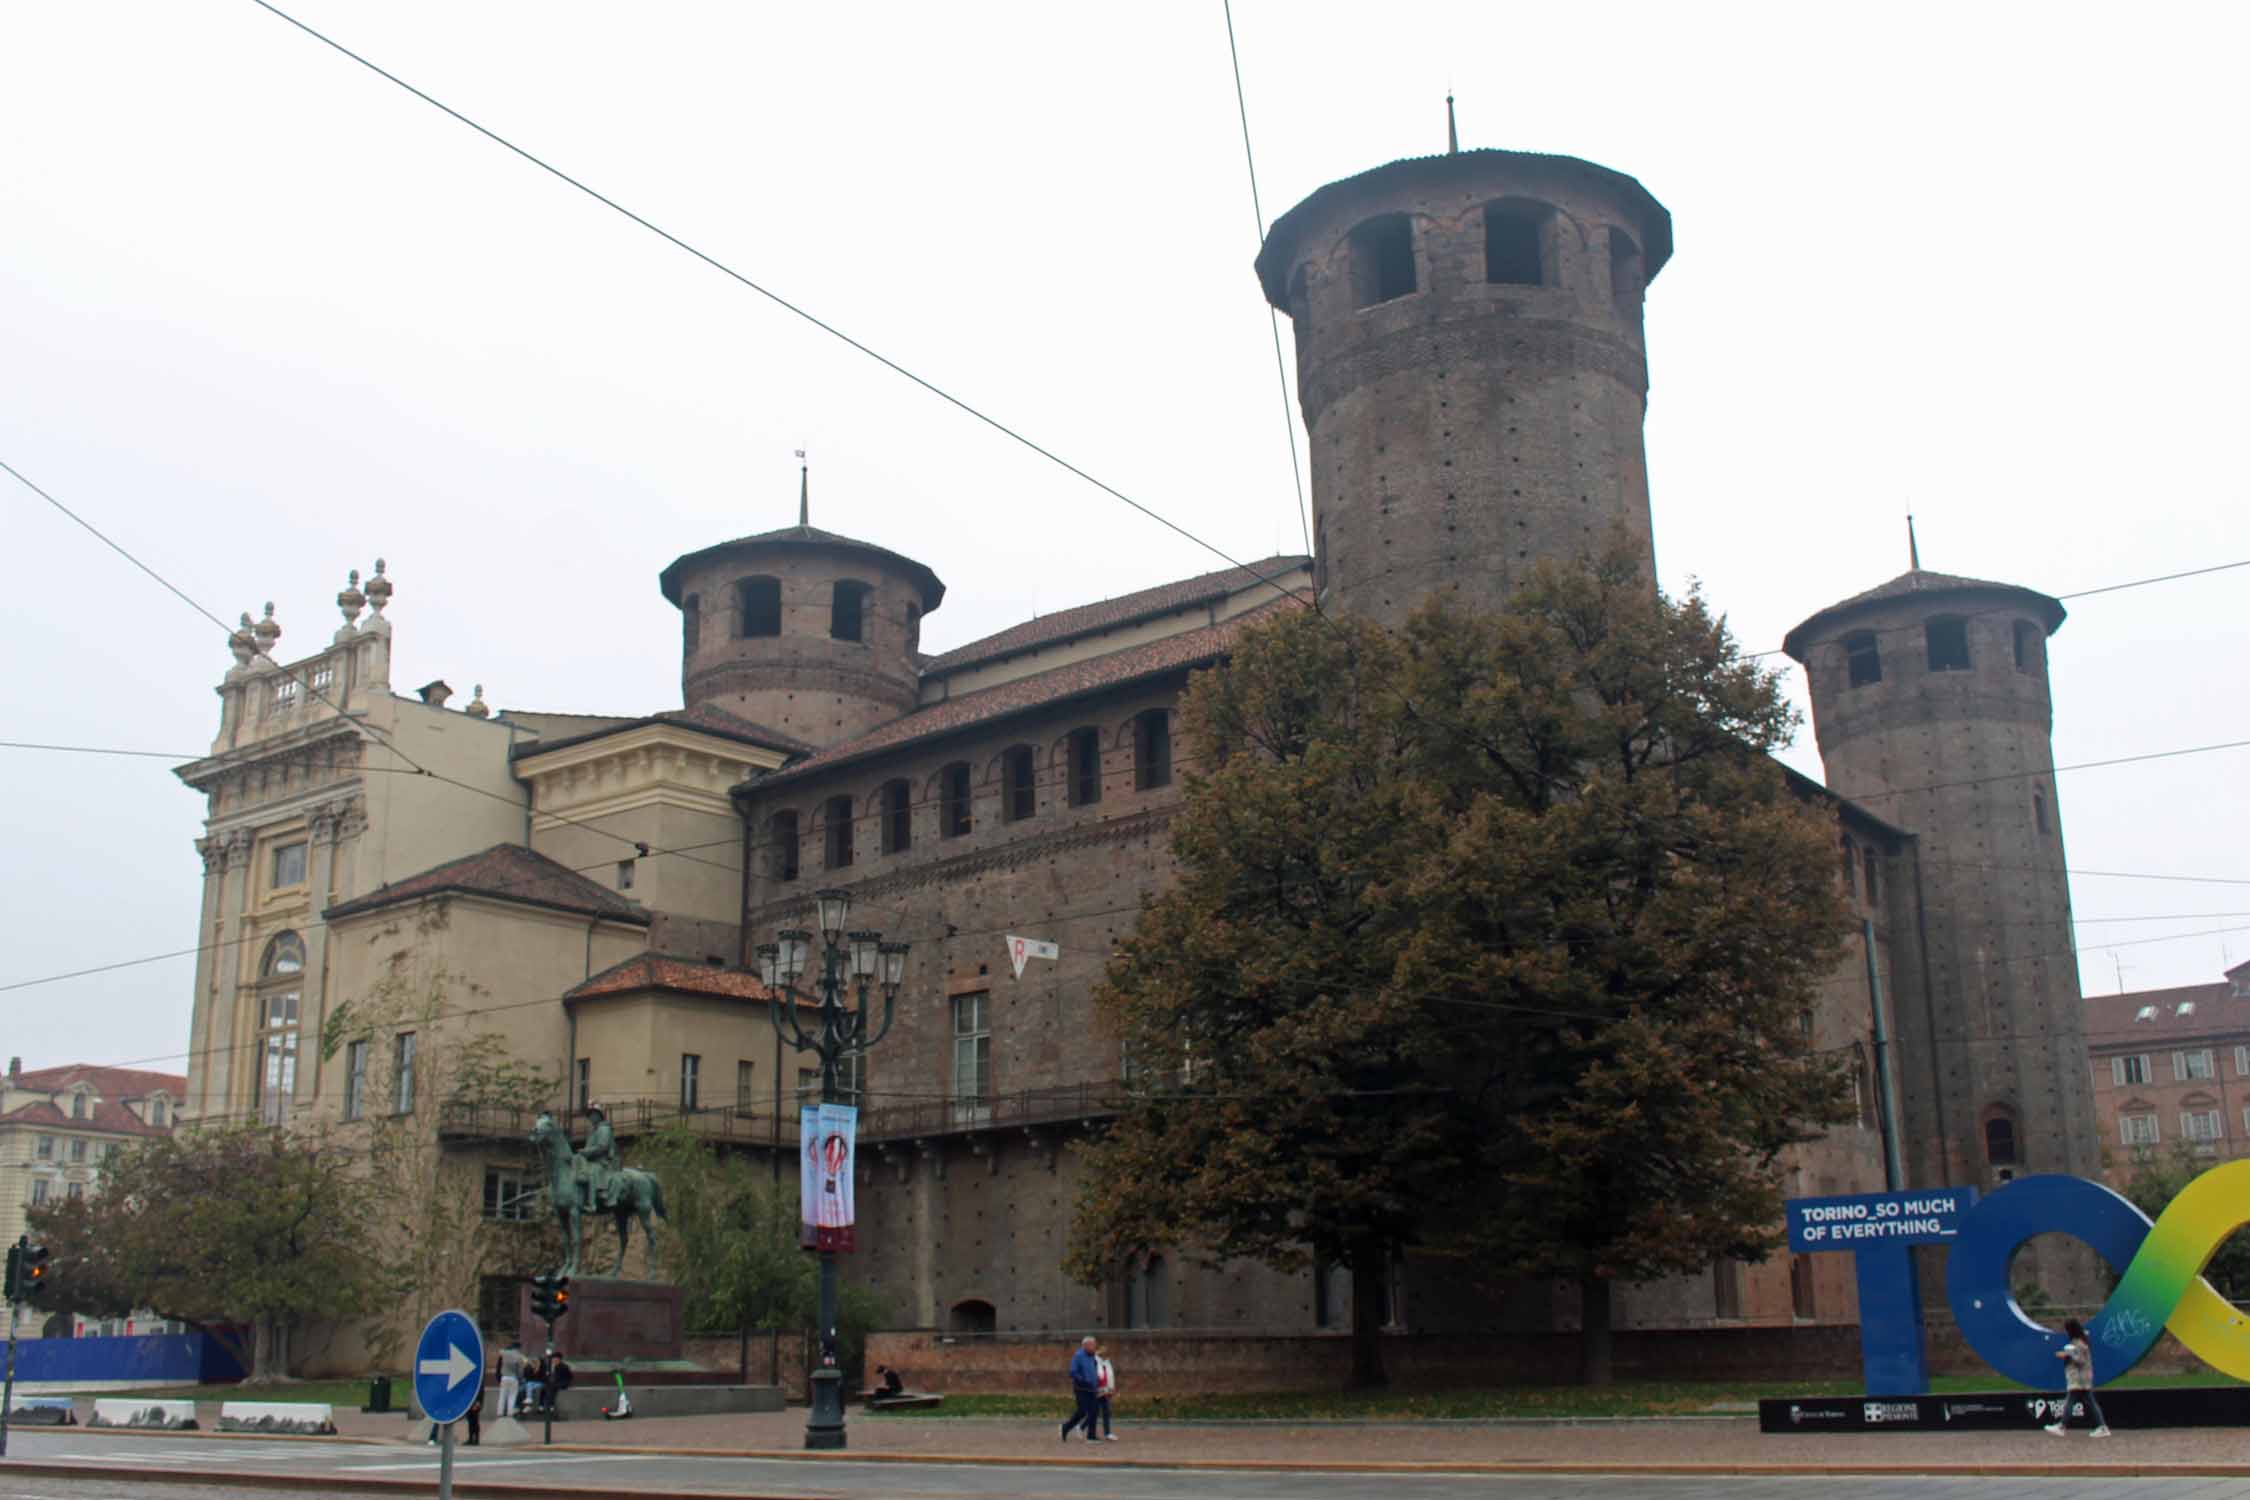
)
(848, 960)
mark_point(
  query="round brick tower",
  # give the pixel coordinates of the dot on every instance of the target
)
(801, 630)
(1471, 369)
(1930, 702)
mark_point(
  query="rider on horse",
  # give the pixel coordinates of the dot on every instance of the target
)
(600, 1158)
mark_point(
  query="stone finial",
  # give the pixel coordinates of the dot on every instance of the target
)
(351, 601)
(378, 589)
(267, 630)
(478, 708)
(244, 642)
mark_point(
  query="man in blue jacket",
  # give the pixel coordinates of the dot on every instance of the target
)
(1086, 1385)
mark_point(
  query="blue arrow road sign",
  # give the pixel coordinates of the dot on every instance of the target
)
(448, 1367)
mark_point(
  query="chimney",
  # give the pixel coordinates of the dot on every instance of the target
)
(435, 693)
(15, 1069)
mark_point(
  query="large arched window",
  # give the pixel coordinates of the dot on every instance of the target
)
(974, 1315)
(1084, 755)
(2000, 1137)
(836, 841)
(2027, 646)
(781, 840)
(954, 815)
(1628, 279)
(1019, 786)
(1152, 749)
(1382, 259)
(280, 973)
(757, 603)
(847, 613)
(897, 798)
(1518, 244)
(691, 622)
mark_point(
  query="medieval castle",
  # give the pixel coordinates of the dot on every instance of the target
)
(1474, 377)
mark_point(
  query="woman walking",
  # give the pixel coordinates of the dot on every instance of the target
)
(1102, 1393)
(2078, 1380)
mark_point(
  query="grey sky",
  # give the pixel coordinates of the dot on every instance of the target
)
(265, 317)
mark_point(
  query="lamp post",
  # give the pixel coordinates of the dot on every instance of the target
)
(848, 961)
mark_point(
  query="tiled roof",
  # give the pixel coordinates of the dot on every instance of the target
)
(705, 719)
(507, 872)
(2110, 1018)
(1170, 654)
(112, 1088)
(1919, 581)
(657, 971)
(807, 537)
(1046, 630)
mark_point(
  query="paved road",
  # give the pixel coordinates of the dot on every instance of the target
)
(581, 1474)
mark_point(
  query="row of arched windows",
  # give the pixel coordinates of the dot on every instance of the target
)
(845, 830)
(1521, 248)
(757, 611)
(1945, 640)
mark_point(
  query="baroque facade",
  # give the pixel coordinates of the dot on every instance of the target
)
(586, 890)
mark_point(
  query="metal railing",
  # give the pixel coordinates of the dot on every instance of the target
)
(1026, 1107)
(743, 1124)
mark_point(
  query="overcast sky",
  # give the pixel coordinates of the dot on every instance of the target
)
(264, 317)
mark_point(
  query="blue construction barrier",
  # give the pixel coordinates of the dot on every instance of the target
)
(144, 1359)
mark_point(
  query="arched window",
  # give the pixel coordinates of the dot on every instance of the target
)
(2000, 1138)
(836, 819)
(1156, 1294)
(2039, 808)
(954, 817)
(691, 622)
(78, 1104)
(913, 627)
(758, 607)
(974, 1315)
(1085, 761)
(1382, 259)
(1864, 657)
(1948, 637)
(156, 1110)
(1019, 788)
(1517, 243)
(847, 612)
(1628, 280)
(284, 955)
(2027, 646)
(274, 1083)
(898, 817)
(781, 840)
(1152, 749)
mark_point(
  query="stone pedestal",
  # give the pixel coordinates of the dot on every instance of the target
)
(610, 1321)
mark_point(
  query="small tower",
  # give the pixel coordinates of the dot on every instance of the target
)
(1471, 369)
(1930, 702)
(801, 630)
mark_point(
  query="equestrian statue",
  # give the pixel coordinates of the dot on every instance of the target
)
(592, 1180)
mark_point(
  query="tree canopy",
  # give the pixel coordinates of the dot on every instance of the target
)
(1490, 938)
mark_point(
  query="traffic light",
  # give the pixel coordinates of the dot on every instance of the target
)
(550, 1296)
(31, 1271)
(15, 1271)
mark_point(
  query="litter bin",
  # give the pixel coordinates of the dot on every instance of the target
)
(378, 1393)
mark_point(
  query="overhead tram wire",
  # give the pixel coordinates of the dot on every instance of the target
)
(373, 733)
(1273, 314)
(784, 303)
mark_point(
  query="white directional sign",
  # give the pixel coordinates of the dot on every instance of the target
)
(448, 1366)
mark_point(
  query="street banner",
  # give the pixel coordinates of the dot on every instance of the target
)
(1021, 948)
(826, 1214)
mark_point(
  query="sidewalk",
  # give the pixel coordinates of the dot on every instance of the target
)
(1721, 1444)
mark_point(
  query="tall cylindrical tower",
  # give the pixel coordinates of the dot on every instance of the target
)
(801, 630)
(1471, 369)
(1930, 701)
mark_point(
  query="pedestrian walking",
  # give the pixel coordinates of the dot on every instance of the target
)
(1085, 1385)
(511, 1377)
(476, 1415)
(1103, 1392)
(2078, 1380)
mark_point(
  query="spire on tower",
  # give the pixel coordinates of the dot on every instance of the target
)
(1913, 550)
(804, 490)
(1452, 132)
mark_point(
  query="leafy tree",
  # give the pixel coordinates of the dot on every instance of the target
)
(2156, 1180)
(1490, 938)
(730, 1244)
(226, 1229)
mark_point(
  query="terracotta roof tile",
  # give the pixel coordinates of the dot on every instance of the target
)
(705, 719)
(1918, 581)
(506, 872)
(657, 971)
(788, 537)
(113, 1088)
(1172, 653)
(1108, 614)
(2110, 1019)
